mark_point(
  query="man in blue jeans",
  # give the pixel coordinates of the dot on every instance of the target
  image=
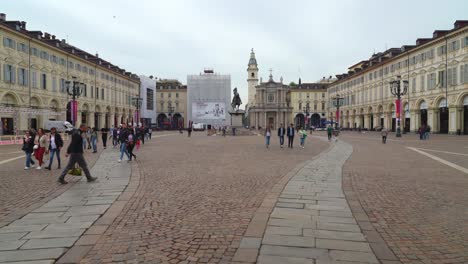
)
(123, 137)
(56, 144)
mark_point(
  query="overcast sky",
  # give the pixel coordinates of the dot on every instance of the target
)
(174, 38)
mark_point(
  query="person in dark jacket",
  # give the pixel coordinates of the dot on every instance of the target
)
(281, 133)
(55, 145)
(28, 148)
(75, 150)
(123, 137)
(290, 134)
(104, 132)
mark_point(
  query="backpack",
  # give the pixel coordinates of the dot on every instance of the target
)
(130, 138)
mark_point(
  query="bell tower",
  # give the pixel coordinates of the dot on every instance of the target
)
(252, 78)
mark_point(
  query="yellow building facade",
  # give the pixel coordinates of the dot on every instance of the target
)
(34, 69)
(171, 98)
(437, 73)
(310, 104)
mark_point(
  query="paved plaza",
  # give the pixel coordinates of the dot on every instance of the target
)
(230, 200)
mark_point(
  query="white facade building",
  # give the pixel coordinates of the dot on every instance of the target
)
(148, 106)
(209, 98)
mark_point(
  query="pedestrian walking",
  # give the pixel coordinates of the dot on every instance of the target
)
(55, 145)
(290, 133)
(94, 139)
(115, 137)
(28, 148)
(302, 136)
(427, 131)
(384, 134)
(104, 137)
(123, 137)
(88, 137)
(84, 141)
(281, 133)
(75, 151)
(41, 147)
(329, 132)
(130, 145)
(142, 134)
(267, 137)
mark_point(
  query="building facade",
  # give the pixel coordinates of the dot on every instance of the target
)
(437, 72)
(209, 98)
(148, 103)
(34, 71)
(310, 104)
(171, 97)
(272, 105)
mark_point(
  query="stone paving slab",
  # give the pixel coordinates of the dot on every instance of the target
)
(44, 234)
(312, 221)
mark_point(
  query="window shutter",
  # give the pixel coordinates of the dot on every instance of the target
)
(13, 74)
(26, 77)
(20, 77)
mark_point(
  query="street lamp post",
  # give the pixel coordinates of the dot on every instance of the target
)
(337, 102)
(170, 110)
(74, 89)
(396, 90)
(137, 102)
(306, 110)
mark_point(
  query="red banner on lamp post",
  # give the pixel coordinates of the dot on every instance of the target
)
(398, 108)
(74, 106)
(337, 116)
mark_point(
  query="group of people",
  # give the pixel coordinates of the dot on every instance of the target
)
(289, 132)
(39, 143)
(424, 132)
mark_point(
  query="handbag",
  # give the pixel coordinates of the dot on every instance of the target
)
(75, 171)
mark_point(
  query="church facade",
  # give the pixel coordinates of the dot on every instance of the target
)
(269, 102)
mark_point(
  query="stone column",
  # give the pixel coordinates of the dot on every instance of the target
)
(454, 119)
(376, 120)
(366, 121)
(265, 119)
(415, 117)
(432, 119)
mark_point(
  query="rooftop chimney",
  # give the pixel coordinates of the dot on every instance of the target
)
(2, 17)
(97, 55)
(23, 25)
(53, 37)
(46, 35)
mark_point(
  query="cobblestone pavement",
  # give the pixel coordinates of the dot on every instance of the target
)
(196, 198)
(418, 205)
(311, 221)
(20, 189)
(46, 233)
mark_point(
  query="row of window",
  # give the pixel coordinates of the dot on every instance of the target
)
(169, 95)
(315, 107)
(21, 47)
(168, 87)
(308, 95)
(425, 81)
(169, 104)
(441, 51)
(22, 76)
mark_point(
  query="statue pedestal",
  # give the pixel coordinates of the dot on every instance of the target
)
(237, 118)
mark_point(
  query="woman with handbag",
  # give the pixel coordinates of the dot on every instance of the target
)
(28, 148)
(41, 146)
